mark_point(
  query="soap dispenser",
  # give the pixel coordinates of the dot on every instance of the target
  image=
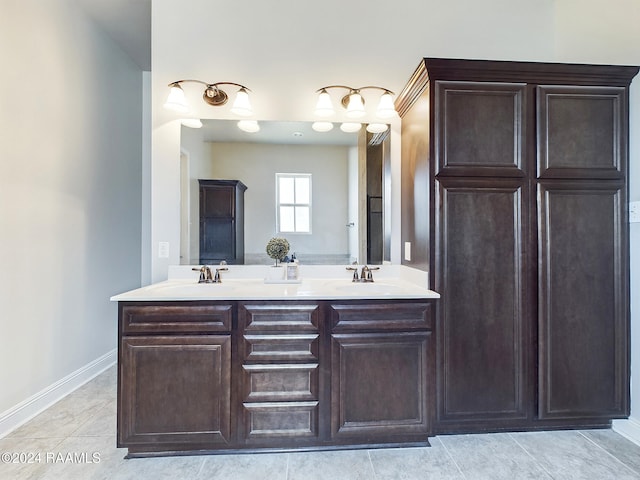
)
(292, 268)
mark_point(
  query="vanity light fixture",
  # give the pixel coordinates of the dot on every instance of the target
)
(353, 102)
(324, 107)
(212, 95)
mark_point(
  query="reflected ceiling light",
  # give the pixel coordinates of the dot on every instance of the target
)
(322, 126)
(354, 103)
(249, 126)
(191, 122)
(349, 127)
(377, 127)
(212, 95)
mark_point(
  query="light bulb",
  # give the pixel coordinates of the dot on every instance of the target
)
(322, 126)
(350, 127)
(355, 107)
(324, 107)
(377, 127)
(386, 109)
(249, 126)
(241, 105)
(176, 100)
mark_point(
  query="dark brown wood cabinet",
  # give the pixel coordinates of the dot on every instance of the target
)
(254, 375)
(514, 191)
(177, 391)
(174, 381)
(279, 373)
(381, 380)
(221, 221)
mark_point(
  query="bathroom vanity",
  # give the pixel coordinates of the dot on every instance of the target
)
(246, 365)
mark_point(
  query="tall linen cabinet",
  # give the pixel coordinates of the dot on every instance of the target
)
(514, 198)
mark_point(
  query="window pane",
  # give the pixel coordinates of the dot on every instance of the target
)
(286, 219)
(285, 190)
(302, 190)
(302, 219)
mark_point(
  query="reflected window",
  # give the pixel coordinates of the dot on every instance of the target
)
(293, 196)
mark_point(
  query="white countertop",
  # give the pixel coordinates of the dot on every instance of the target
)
(318, 282)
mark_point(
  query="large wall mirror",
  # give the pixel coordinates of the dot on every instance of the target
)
(348, 178)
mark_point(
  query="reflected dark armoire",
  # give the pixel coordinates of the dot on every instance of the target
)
(514, 196)
(221, 221)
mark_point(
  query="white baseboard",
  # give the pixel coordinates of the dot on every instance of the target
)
(629, 429)
(32, 406)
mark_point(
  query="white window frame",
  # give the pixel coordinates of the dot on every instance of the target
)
(278, 204)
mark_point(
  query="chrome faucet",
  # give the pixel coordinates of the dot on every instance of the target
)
(365, 275)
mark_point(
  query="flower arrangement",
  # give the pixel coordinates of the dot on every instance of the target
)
(277, 248)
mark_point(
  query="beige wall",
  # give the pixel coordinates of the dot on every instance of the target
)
(70, 192)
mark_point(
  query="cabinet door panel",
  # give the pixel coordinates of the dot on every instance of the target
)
(217, 239)
(581, 131)
(583, 301)
(483, 327)
(379, 384)
(483, 128)
(217, 201)
(175, 390)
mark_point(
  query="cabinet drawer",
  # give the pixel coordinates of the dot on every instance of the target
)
(383, 316)
(272, 317)
(281, 347)
(175, 318)
(281, 419)
(268, 383)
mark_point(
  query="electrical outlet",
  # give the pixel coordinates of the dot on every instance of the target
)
(634, 212)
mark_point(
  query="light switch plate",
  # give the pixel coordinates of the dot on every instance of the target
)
(407, 251)
(634, 212)
(163, 249)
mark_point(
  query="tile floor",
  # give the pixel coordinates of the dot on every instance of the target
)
(84, 422)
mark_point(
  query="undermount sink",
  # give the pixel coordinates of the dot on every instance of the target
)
(369, 288)
(189, 289)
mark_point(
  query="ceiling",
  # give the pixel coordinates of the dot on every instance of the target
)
(285, 50)
(284, 133)
(127, 22)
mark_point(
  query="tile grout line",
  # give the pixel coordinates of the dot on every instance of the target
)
(375, 475)
(201, 468)
(90, 418)
(537, 462)
(451, 457)
(608, 452)
(286, 470)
